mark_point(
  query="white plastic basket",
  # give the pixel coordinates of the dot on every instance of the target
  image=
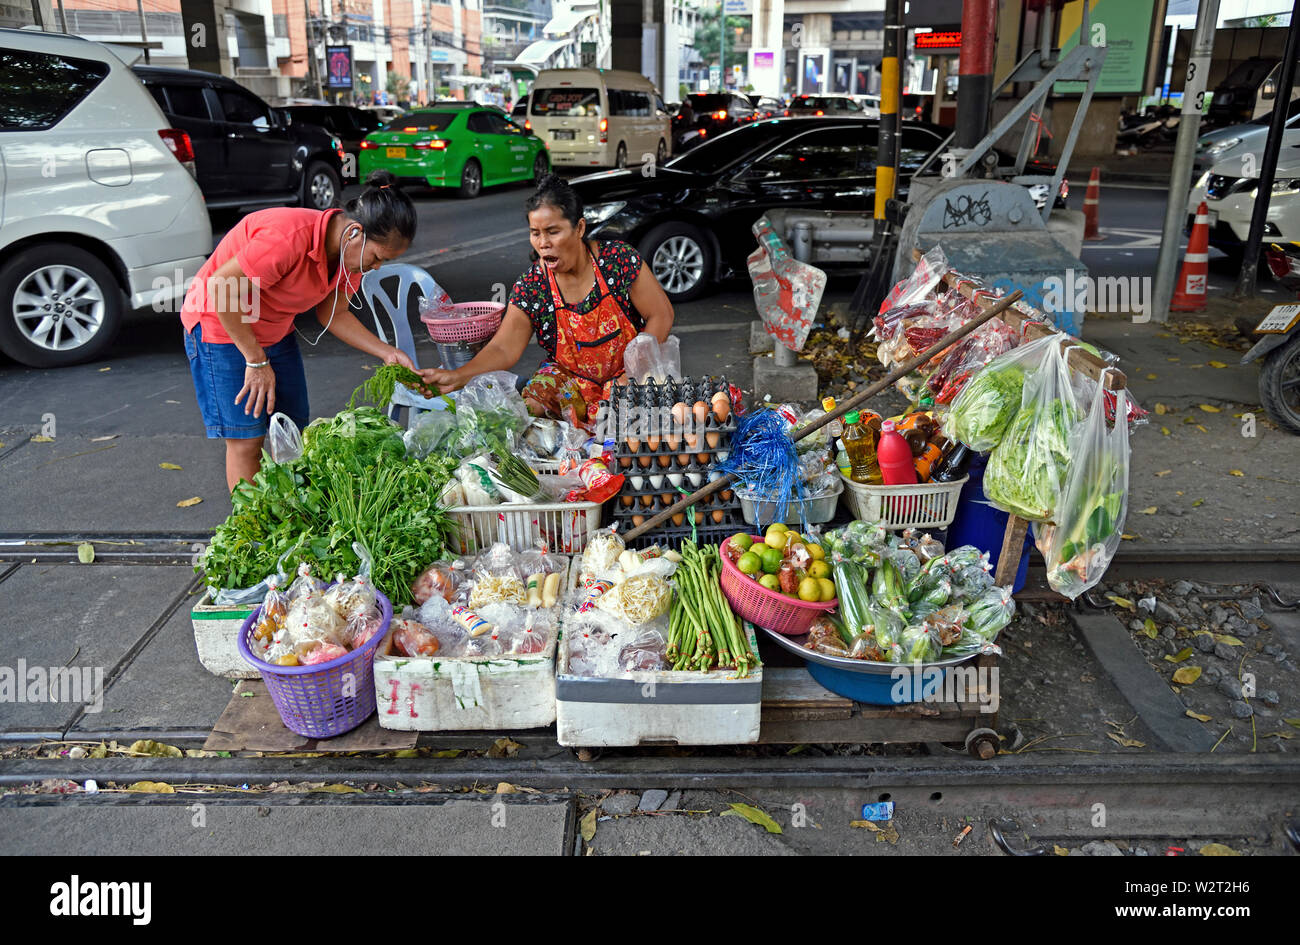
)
(566, 527)
(925, 505)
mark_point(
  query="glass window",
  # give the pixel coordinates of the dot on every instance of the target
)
(243, 109)
(37, 90)
(481, 123)
(821, 155)
(187, 101)
(421, 121)
(159, 96)
(916, 146)
(570, 102)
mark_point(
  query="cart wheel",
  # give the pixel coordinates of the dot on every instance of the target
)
(982, 743)
(588, 754)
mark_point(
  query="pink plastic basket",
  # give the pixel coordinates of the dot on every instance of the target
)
(475, 321)
(765, 608)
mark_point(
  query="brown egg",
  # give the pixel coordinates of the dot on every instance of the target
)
(712, 439)
(638, 520)
(721, 406)
(718, 516)
(678, 518)
(646, 501)
(692, 441)
(665, 460)
(672, 440)
(727, 495)
(666, 498)
(683, 459)
(653, 443)
(626, 500)
(703, 458)
(625, 462)
(643, 461)
(679, 414)
(700, 410)
(633, 443)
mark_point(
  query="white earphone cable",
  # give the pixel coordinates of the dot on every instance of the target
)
(343, 272)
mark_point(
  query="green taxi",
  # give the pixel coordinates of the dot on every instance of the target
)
(466, 147)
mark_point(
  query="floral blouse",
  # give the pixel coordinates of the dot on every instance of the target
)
(619, 263)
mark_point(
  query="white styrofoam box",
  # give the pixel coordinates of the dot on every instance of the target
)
(436, 694)
(566, 527)
(657, 708)
(216, 637)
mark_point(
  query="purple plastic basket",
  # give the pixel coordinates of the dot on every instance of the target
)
(311, 699)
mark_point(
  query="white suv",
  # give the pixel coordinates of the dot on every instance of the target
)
(99, 209)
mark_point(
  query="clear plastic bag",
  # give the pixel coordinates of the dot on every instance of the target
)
(284, 439)
(437, 304)
(437, 580)
(645, 359)
(497, 578)
(991, 340)
(930, 268)
(494, 394)
(988, 403)
(351, 596)
(601, 554)
(413, 639)
(433, 432)
(305, 584)
(272, 619)
(1027, 469)
(311, 621)
(643, 653)
(363, 625)
(986, 616)
(1089, 518)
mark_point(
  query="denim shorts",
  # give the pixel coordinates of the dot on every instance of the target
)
(218, 372)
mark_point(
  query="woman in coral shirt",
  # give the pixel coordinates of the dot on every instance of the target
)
(239, 312)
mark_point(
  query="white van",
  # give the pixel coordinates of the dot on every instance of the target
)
(599, 118)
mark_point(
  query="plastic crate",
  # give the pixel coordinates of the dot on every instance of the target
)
(566, 527)
(473, 321)
(818, 511)
(925, 505)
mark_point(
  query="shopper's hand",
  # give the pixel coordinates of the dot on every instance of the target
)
(258, 392)
(441, 380)
(398, 356)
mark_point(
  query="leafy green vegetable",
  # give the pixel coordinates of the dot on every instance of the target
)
(379, 388)
(1027, 469)
(981, 412)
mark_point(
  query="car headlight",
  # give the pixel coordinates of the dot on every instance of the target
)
(1220, 147)
(600, 212)
(1286, 187)
(1202, 182)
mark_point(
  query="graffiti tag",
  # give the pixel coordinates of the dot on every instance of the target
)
(967, 211)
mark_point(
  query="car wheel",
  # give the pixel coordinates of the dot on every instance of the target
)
(681, 258)
(540, 167)
(1279, 385)
(661, 152)
(620, 156)
(59, 305)
(471, 180)
(320, 186)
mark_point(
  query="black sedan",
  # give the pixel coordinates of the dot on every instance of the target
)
(692, 220)
(350, 125)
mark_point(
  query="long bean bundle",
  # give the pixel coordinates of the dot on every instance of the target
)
(703, 632)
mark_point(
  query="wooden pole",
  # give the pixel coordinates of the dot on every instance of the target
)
(852, 403)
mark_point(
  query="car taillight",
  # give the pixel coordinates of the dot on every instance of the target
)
(604, 130)
(703, 132)
(820, 113)
(1277, 262)
(338, 149)
(368, 145)
(436, 145)
(410, 131)
(1065, 188)
(178, 142)
(528, 125)
(720, 115)
(787, 113)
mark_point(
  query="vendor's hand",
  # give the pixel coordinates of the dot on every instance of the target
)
(441, 380)
(258, 391)
(398, 356)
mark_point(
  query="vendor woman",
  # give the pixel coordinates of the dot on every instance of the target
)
(239, 312)
(585, 299)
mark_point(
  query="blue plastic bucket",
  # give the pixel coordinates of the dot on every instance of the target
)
(980, 524)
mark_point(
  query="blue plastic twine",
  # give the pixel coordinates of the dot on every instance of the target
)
(764, 458)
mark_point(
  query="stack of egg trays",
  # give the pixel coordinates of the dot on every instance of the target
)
(640, 414)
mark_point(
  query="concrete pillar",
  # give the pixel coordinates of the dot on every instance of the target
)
(625, 36)
(204, 23)
(813, 42)
(766, 55)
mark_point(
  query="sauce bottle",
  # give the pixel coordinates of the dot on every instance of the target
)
(894, 457)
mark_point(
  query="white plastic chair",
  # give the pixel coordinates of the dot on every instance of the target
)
(393, 321)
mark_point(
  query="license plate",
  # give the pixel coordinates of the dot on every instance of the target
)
(1214, 217)
(395, 152)
(562, 135)
(1281, 319)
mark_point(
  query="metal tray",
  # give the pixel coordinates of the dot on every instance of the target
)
(794, 645)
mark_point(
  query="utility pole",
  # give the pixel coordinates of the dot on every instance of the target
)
(1264, 191)
(722, 46)
(144, 33)
(979, 25)
(1180, 178)
(313, 73)
(891, 121)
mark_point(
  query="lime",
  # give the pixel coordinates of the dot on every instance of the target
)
(819, 569)
(809, 590)
(771, 559)
(771, 582)
(741, 540)
(827, 589)
(817, 551)
(749, 563)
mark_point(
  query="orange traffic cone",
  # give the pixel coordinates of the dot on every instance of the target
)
(1090, 201)
(1189, 292)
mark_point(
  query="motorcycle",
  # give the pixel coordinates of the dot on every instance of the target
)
(1155, 127)
(1279, 348)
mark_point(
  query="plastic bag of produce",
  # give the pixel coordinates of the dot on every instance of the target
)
(439, 579)
(351, 596)
(991, 340)
(305, 584)
(930, 268)
(311, 621)
(1027, 469)
(411, 638)
(602, 553)
(643, 653)
(497, 578)
(274, 613)
(986, 406)
(497, 407)
(966, 568)
(431, 433)
(284, 439)
(1090, 517)
(363, 625)
(918, 644)
(985, 618)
